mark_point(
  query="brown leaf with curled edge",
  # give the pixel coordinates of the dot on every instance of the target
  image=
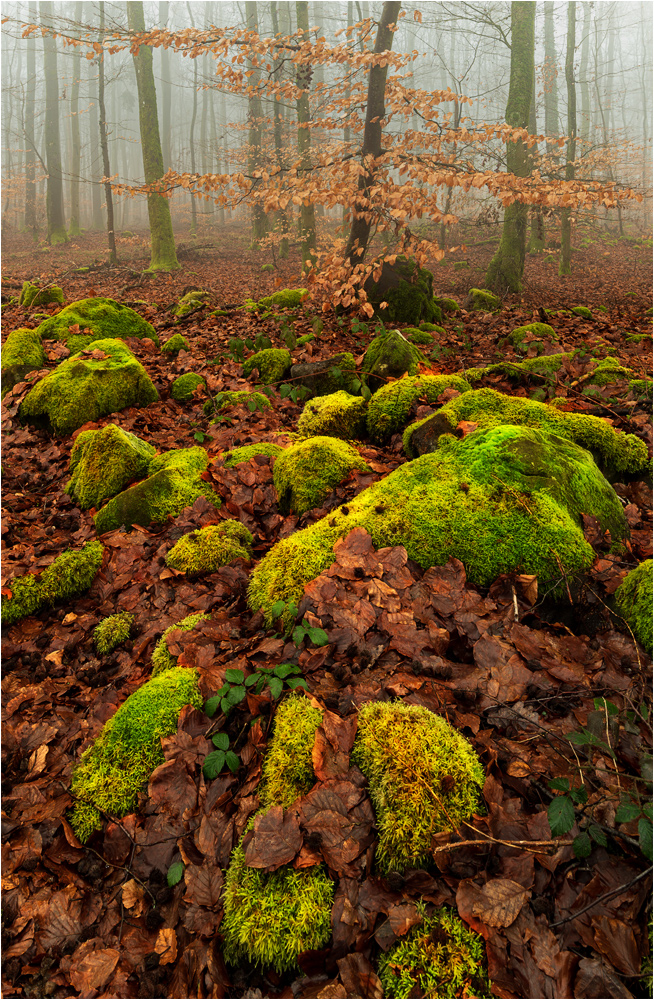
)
(171, 788)
(499, 902)
(465, 427)
(166, 945)
(332, 745)
(403, 917)
(91, 967)
(274, 841)
(355, 552)
(132, 897)
(358, 976)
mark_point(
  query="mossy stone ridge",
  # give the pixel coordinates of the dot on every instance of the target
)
(390, 356)
(338, 415)
(111, 632)
(634, 598)
(71, 574)
(273, 364)
(33, 296)
(83, 389)
(162, 658)
(541, 368)
(114, 770)
(175, 344)
(582, 311)
(102, 317)
(207, 549)
(183, 388)
(103, 462)
(500, 500)
(418, 336)
(248, 451)
(22, 352)
(285, 298)
(305, 474)
(390, 407)
(447, 305)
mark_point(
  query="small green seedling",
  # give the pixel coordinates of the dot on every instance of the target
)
(276, 678)
(215, 761)
(175, 873)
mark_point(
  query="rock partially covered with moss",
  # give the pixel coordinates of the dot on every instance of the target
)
(248, 451)
(162, 658)
(500, 500)
(531, 332)
(103, 462)
(114, 770)
(616, 453)
(191, 302)
(481, 300)
(405, 751)
(88, 386)
(322, 378)
(536, 370)
(408, 290)
(33, 296)
(22, 352)
(101, 318)
(582, 311)
(633, 600)
(174, 482)
(183, 388)
(112, 632)
(440, 957)
(224, 400)
(338, 415)
(71, 574)
(447, 305)
(285, 298)
(287, 768)
(305, 474)
(207, 549)
(175, 344)
(389, 357)
(272, 364)
(418, 336)
(391, 406)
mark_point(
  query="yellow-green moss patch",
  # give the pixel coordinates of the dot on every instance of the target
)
(103, 318)
(390, 407)
(287, 767)
(338, 415)
(272, 364)
(248, 451)
(22, 352)
(183, 388)
(112, 631)
(634, 598)
(162, 659)
(70, 574)
(305, 474)
(207, 549)
(103, 462)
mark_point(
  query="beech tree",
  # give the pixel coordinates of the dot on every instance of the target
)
(55, 190)
(564, 260)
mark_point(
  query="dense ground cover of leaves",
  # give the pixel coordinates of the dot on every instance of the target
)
(514, 674)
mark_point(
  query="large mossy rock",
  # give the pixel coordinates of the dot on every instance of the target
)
(33, 296)
(390, 356)
(174, 482)
(273, 364)
(616, 453)
(97, 319)
(409, 291)
(392, 406)
(322, 378)
(338, 415)
(305, 474)
(633, 599)
(500, 500)
(103, 462)
(22, 352)
(90, 385)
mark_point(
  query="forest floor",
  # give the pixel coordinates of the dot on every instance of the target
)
(101, 920)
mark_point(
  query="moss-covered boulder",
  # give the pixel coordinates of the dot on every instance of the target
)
(405, 751)
(162, 658)
(418, 336)
(33, 296)
(338, 415)
(112, 632)
(183, 388)
(207, 549)
(114, 770)
(225, 400)
(447, 305)
(285, 298)
(389, 357)
(71, 574)
(322, 378)
(616, 453)
(272, 364)
(88, 386)
(103, 462)
(633, 600)
(539, 370)
(305, 474)
(531, 332)
(248, 451)
(610, 371)
(408, 290)
(175, 344)
(22, 352)
(481, 300)
(97, 319)
(391, 406)
(500, 500)
(191, 302)
(174, 482)
(582, 311)
(431, 328)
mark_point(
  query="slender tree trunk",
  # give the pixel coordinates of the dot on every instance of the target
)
(348, 93)
(30, 150)
(95, 154)
(194, 115)
(282, 217)
(550, 82)
(537, 233)
(584, 129)
(507, 266)
(164, 7)
(259, 221)
(570, 153)
(55, 189)
(357, 243)
(303, 82)
(75, 144)
(111, 235)
(162, 242)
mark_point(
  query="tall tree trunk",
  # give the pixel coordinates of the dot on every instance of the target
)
(162, 242)
(584, 128)
(30, 151)
(111, 235)
(507, 266)
(282, 216)
(194, 115)
(165, 89)
(537, 232)
(75, 144)
(95, 154)
(550, 81)
(55, 189)
(357, 243)
(303, 82)
(570, 152)
(259, 221)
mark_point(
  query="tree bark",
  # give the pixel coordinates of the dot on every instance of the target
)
(282, 215)
(537, 232)
(259, 220)
(357, 243)
(507, 266)
(194, 115)
(570, 152)
(550, 83)
(584, 130)
(55, 189)
(74, 228)
(165, 89)
(162, 242)
(111, 235)
(30, 151)
(303, 82)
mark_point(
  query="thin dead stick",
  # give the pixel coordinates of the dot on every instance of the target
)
(503, 843)
(607, 895)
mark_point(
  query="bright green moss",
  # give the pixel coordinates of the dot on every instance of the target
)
(285, 298)
(224, 400)
(83, 389)
(390, 356)
(306, 338)
(112, 631)
(33, 296)
(431, 328)
(174, 482)
(542, 368)
(175, 344)
(272, 363)
(183, 388)
(22, 352)
(440, 957)
(103, 462)
(610, 370)
(614, 451)
(504, 499)
(103, 317)
(338, 415)
(483, 300)
(390, 406)
(634, 598)
(305, 474)
(115, 769)
(542, 331)
(417, 336)
(408, 291)
(162, 659)
(207, 549)
(190, 302)
(25, 598)
(287, 767)
(406, 752)
(70, 574)
(446, 305)
(582, 311)
(248, 451)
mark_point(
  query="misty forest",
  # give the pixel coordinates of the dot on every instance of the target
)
(327, 523)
